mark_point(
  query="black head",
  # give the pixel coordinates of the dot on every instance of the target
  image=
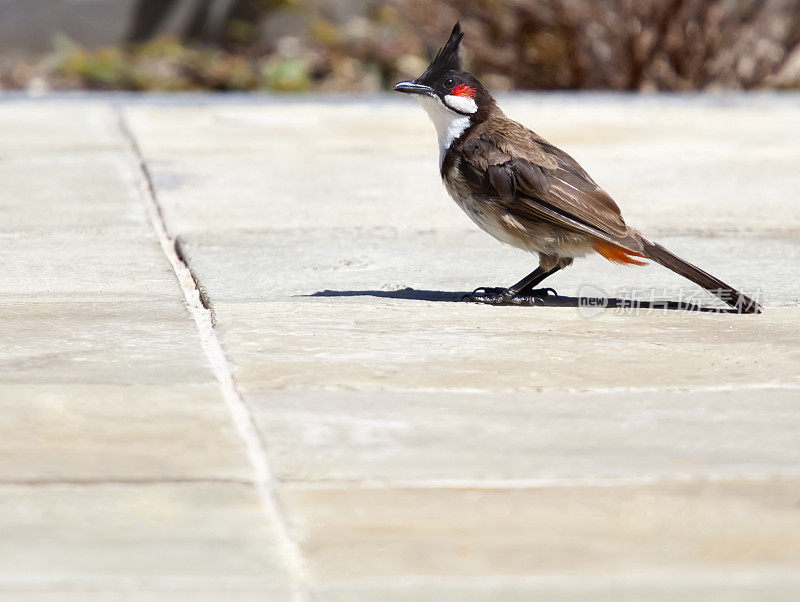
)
(458, 90)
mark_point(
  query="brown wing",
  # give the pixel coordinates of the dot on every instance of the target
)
(537, 181)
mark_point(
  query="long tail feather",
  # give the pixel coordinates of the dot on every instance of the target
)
(727, 293)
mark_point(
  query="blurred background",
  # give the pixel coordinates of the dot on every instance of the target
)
(362, 45)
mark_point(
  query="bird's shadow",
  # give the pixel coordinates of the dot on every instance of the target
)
(413, 294)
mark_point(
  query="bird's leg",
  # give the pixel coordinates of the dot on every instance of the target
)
(529, 291)
(521, 293)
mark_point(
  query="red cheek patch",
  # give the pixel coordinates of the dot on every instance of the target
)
(463, 90)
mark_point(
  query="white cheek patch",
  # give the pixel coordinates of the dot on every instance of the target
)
(462, 104)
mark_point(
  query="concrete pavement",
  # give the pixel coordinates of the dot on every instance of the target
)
(318, 419)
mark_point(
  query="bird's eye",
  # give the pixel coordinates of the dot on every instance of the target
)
(449, 82)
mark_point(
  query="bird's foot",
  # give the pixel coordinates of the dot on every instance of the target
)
(489, 296)
(539, 293)
(504, 296)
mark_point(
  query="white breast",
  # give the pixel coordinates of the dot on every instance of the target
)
(449, 125)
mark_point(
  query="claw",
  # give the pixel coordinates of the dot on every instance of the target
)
(500, 296)
(488, 295)
(488, 290)
(525, 300)
(539, 292)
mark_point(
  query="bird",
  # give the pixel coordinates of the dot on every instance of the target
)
(528, 193)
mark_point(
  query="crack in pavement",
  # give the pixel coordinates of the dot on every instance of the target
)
(240, 413)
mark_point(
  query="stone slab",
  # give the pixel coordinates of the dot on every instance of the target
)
(425, 447)
(103, 371)
(60, 126)
(195, 535)
(49, 189)
(373, 310)
(442, 438)
(122, 475)
(375, 265)
(674, 589)
(392, 345)
(95, 432)
(434, 450)
(664, 530)
(145, 342)
(671, 164)
(210, 592)
(73, 266)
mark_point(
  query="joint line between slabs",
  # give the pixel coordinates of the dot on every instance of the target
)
(240, 413)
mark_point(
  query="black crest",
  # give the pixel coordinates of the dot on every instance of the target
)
(447, 59)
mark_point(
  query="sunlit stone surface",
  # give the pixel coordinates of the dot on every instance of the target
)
(420, 449)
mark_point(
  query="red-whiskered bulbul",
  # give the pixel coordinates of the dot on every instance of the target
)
(528, 193)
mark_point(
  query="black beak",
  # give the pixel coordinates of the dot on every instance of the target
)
(413, 88)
